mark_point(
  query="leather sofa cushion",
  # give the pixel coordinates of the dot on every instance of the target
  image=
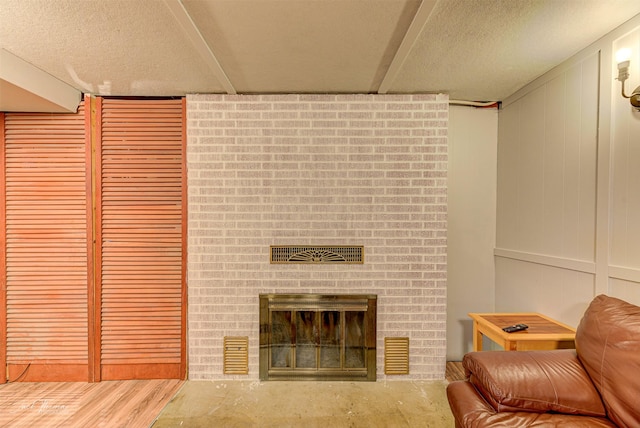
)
(471, 410)
(533, 381)
(608, 345)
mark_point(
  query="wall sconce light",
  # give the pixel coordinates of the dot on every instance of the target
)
(623, 58)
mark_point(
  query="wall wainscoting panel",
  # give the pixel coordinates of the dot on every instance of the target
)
(547, 196)
(319, 170)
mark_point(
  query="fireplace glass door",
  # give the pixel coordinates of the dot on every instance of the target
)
(316, 337)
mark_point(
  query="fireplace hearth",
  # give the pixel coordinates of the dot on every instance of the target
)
(317, 337)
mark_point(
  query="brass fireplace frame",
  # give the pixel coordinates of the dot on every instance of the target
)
(341, 303)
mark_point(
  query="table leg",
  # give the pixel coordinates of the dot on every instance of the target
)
(477, 337)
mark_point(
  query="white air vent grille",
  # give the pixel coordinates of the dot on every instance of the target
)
(317, 254)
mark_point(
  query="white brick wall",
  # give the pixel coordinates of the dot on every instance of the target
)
(317, 170)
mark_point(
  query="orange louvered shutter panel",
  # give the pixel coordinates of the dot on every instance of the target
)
(48, 246)
(140, 236)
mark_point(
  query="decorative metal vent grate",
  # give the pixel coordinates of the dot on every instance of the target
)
(236, 355)
(317, 254)
(396, 355)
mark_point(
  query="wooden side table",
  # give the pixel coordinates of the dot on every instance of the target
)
(543, 332)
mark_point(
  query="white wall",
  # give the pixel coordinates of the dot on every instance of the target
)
(624, 265)
(568, 213)
(473, 138)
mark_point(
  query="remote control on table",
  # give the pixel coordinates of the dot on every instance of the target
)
(517, 327)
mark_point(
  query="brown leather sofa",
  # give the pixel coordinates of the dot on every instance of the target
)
(595, 385)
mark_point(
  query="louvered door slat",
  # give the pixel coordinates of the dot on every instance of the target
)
(141, 255)
(46, 246)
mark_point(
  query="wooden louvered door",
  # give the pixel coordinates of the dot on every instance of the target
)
(48, 246)
(140, 233)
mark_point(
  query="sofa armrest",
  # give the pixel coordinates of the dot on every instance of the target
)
(534, 381)
(470, 410)
(466, 404)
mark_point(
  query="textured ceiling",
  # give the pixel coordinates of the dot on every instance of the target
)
(470, 49)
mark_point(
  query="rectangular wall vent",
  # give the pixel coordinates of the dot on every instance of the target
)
(236, 355)
(396, 355)
(317, 254)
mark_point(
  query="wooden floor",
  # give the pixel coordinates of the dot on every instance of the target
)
(111, 404)
(454, 371)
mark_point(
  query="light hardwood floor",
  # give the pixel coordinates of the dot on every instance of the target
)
(110, 404)
(454, 371)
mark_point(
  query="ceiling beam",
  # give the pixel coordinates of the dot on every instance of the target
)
(24, 87)
(419, 20)
(184, 19)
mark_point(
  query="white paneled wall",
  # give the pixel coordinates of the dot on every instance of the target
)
(568, 192)
(547, 167)
(625, 181)
(547, 163)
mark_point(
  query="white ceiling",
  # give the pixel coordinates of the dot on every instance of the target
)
(471, 49)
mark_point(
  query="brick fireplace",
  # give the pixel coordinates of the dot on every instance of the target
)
(269, 170)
